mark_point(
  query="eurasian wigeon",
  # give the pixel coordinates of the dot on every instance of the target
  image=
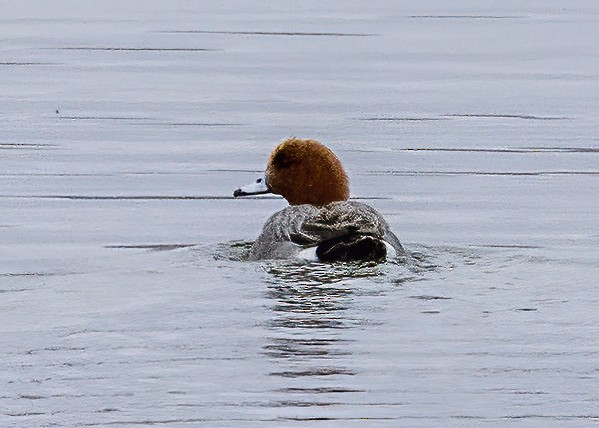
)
(320, 222)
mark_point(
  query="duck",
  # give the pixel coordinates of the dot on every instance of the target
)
(321, 223)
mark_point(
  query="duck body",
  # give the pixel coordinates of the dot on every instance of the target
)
(338, 231)
(321, 223)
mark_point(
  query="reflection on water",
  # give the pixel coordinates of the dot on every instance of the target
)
(316, 296)
(312, 307)
(290, 348)
(308, 296)
(313, 310)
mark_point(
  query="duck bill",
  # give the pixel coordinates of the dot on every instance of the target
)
(258, 187)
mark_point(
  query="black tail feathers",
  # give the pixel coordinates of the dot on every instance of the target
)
(351, 247)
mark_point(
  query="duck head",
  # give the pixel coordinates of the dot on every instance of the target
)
(303, 172)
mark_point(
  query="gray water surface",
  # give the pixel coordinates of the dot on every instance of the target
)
(125, 126)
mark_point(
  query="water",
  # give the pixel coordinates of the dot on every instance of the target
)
(125, 128)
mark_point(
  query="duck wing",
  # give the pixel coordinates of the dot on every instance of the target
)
(282, 236)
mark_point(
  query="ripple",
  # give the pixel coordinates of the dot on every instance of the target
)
(317, 371)
(152, 247)
(428, 297)
(269, 33)
(132, 49)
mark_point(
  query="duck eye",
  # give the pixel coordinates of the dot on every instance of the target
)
(259, 180)
(282, 159)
